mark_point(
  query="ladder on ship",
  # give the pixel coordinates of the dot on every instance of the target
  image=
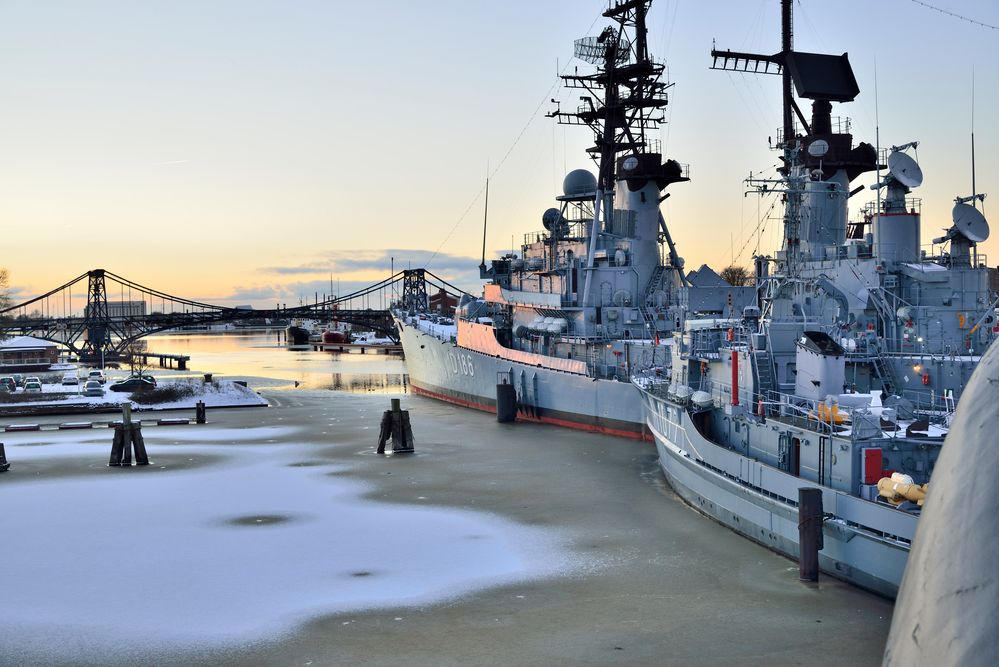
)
(650, 321)
(655, 284)
(877, 296)
(594, 359)
(884, 373)
(763, 369)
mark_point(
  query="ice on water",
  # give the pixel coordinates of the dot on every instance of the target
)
(247, 545)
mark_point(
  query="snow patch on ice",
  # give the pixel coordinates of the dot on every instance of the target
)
(197, 558)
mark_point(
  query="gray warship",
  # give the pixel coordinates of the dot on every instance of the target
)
(845, 374)
(588, 299)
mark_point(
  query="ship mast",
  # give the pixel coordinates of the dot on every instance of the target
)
(823, 79)
(622, 101)
(777, 64)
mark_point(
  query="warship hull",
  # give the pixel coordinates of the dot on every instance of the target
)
(445, 371)
(865, 543)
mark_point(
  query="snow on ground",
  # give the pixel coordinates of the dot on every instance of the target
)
(240, 548)
(220, 393)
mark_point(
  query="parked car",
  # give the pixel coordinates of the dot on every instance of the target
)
(18, 379)
(98, 375)
(71, 380)
(144, 376)
(32, 378)
(93, 388)
(134, 384)
(32, 386)
(8, 382)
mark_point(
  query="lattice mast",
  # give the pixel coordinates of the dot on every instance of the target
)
(624, 102)
(626, 95)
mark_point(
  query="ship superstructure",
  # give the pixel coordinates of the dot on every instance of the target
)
(845, 374)
(588, 299)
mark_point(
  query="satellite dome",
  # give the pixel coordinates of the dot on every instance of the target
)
(579, 182)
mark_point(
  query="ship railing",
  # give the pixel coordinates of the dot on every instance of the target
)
(938, 254)
(914, 349)
(935, 407)
(840, 125)
(655, 380)
(574, 229)
(913, 206)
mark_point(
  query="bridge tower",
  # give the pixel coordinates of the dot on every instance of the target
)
(414, 290)
(98, 325)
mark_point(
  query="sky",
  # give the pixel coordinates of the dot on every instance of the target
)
(254, 151)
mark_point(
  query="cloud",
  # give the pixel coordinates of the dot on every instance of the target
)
(352, 271)
(348, 262)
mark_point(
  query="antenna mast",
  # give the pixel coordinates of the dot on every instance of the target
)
(485, 219)
(974, 191)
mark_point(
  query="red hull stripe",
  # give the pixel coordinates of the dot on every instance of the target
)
(580, 426)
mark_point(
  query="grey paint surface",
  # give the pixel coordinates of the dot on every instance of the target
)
(948, 605)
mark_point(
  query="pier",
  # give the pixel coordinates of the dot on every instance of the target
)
(165, 360)
(394, 348)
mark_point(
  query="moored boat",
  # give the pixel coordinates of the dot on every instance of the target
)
(844, 376)
(565, 320)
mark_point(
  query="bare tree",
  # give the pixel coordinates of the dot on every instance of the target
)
(4, 287)
(737, 276)
(137, 364)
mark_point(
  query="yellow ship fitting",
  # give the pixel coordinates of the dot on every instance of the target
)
(829, 415)
(896, 492)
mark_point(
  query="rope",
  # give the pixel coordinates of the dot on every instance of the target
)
(520, 135)
(957, 16)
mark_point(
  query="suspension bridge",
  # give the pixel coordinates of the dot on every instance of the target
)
(99, 315)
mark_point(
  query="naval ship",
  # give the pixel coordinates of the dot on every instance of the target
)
(844, 375)
(561, 325)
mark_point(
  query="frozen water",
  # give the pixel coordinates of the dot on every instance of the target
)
(225, 553)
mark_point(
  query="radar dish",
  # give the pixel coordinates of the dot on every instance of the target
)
(969, 221)
(594, 49)
(818, 148)
(905, 170)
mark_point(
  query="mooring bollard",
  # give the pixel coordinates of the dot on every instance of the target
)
(3, 459)
(199, 412)
(395, 424)
(126, 436)
(141, 458)
(809, 533)
(117, 445)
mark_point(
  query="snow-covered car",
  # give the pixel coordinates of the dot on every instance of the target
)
(98, 375)
(71, 379)
(93, 388)
(32, 386)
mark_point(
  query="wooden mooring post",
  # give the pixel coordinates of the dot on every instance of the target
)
(128, 435)
(810, 540)
(395, 425)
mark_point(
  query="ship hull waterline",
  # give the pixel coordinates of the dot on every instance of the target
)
(864, 558)
(447, 372)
